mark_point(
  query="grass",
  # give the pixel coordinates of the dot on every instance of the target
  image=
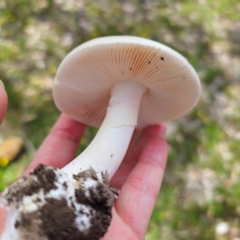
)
(204, 145)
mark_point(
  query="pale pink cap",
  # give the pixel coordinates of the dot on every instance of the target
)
(84, 79)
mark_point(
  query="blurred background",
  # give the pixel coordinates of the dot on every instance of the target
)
(200, 198)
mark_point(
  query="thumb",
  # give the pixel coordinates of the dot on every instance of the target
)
(3, 101)
(3, 218)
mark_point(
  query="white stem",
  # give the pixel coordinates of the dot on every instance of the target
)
(108, 148)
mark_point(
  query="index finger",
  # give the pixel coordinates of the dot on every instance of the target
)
(3, 218)
(138, 195)
(132, 156)
(61, 145)
(3, 101)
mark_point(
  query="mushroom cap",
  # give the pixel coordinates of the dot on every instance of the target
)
(83, 82)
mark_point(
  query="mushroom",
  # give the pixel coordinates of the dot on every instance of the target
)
(116, 83)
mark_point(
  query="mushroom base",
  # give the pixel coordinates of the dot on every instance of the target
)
(49, 204)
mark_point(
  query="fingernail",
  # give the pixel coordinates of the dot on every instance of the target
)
(2, 84)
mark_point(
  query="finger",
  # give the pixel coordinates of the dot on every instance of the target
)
(118, 229)
(3, 102)
(3, 218)
(133, 139)
(133, 155)
(61, 145)
(139, 193)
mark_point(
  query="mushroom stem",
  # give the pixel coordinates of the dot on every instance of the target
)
(109, 146)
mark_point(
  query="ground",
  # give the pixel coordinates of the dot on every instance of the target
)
(201, 186)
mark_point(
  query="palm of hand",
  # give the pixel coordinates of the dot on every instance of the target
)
(139, 177)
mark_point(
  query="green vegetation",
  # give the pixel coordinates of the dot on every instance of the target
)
(202, 182)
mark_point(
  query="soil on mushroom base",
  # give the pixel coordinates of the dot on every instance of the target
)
(56, 219)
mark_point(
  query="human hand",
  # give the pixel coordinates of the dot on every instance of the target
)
(3, 101)
(3, 108)
(139, 179)
(139, 176)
